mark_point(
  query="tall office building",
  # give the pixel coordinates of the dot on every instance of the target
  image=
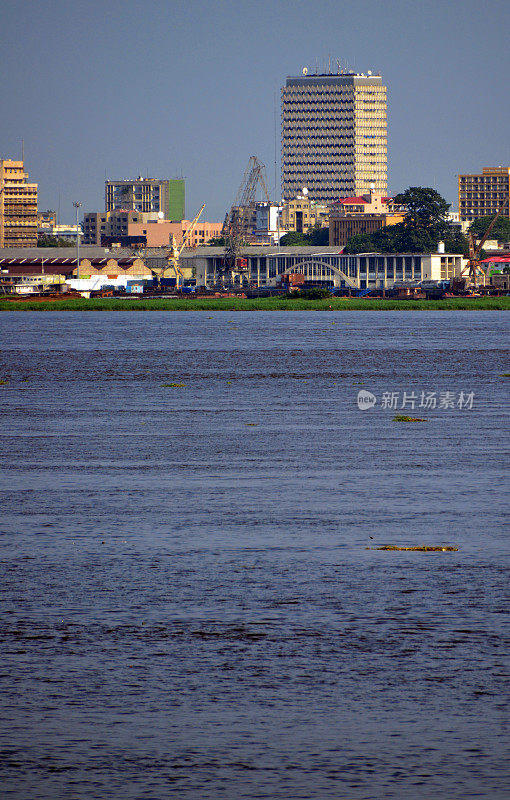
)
(334, 136)
(482, 195)
(18, 206)
(147, 195)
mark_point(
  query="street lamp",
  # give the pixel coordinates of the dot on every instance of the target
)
(77, 206)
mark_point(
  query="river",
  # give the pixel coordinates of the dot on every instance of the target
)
(192, 604)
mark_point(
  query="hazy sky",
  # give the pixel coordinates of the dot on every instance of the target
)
(171, 88)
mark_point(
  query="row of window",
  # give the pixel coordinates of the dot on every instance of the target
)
(482, 195)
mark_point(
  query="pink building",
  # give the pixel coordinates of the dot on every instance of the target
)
(158, 233)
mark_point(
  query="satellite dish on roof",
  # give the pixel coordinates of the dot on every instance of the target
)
(304, 190)
(305, 70)
(160, 214)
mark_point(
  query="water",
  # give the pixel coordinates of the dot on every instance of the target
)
(188, 607)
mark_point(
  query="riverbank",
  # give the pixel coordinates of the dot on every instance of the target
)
(259, 304)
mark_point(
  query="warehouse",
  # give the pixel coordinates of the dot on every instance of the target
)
(327, 265)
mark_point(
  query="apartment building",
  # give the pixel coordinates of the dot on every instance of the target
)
(334, 136)
(147, 195)
(481, 195)
(18, 206)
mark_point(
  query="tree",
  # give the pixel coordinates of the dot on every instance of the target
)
(294, 239)
(319, 236)
(426, 210)
(456, 242)
(43, 240)
(423, 227)
(216, 241)
(500, 231)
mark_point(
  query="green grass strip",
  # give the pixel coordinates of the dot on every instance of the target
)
(259, 304)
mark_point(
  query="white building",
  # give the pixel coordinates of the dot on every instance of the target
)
(327, 265)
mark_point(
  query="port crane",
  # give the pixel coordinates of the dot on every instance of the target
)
(171, 263)
(473, 265)
(236, 219)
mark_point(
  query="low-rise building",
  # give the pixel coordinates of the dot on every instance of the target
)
(267, 266)
(368, 213)
(40, 273)
(46, 219)
(101, 225)
(302, 214)
(138, 229)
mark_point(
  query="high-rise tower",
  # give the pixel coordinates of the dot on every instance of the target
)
(18, 206)
(334, 136)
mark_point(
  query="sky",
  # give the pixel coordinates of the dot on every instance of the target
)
(191, 88)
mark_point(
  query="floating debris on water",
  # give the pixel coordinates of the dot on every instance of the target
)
(404, 418)
(421, 548)
(173, 385)
(3, 383)
(505, 375)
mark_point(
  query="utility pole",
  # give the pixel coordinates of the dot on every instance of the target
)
(77, 206)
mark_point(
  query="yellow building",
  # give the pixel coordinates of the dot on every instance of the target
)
(18, 206)
(303, 214)
(482, 195)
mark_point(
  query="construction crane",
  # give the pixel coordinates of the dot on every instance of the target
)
(473, 265)
(234, 226)
(171, 263)
(176, 250)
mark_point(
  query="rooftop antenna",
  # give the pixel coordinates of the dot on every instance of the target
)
(338, 66)
(23, 150)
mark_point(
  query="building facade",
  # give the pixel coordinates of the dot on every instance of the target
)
(301, 214)
(147, 195)
(47, 219)
(139, 229)
(334, 136)
(18, 206)
(326, 265)
(481, 195)
(357, 215)
(100, 225)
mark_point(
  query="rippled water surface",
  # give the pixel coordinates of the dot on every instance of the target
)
(188, 604)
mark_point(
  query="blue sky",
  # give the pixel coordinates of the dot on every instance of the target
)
(173, 88)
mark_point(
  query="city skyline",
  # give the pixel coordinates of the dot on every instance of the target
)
(194, 90)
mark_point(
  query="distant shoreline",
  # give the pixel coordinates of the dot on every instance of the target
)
(259, 304)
